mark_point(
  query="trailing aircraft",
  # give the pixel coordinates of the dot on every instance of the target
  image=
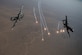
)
(68, 28)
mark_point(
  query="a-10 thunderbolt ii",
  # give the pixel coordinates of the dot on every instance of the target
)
(17, 18)
(68, 28)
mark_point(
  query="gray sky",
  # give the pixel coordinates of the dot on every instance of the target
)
(25, 39)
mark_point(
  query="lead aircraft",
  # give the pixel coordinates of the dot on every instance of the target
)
(17, 18)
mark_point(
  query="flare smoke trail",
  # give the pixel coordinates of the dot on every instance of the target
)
(43, 18)
(58, 26)
(40, 19)
(45, 24)
(39, 8)
(35, 14)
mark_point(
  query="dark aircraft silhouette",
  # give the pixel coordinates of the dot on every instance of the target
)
(19, 16)
(65, 23)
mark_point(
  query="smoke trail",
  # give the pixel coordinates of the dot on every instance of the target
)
(58, 25)
(40, 19)
(43, 20)
(39, 7)
(35, 15)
